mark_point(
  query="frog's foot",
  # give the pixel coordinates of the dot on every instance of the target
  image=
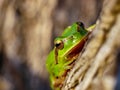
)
(58, 82)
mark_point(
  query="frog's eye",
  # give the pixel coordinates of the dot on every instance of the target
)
(59, 44)
(80, 24)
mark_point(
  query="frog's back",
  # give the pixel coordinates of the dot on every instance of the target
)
(70, 30)
(75, 27)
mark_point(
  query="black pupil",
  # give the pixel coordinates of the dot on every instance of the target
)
(57, 44)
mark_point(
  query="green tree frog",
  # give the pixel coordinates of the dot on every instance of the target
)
(66, 50)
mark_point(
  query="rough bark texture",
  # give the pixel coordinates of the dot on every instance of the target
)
(96, 66)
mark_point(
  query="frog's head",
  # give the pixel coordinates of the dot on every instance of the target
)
(70, 43)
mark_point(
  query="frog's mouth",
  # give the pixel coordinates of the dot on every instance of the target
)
(74, 52)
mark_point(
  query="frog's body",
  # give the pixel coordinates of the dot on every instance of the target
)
(66, 50)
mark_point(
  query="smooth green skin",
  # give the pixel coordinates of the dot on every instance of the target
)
(71, 36)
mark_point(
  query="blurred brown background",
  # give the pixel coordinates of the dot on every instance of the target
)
(27, 31)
